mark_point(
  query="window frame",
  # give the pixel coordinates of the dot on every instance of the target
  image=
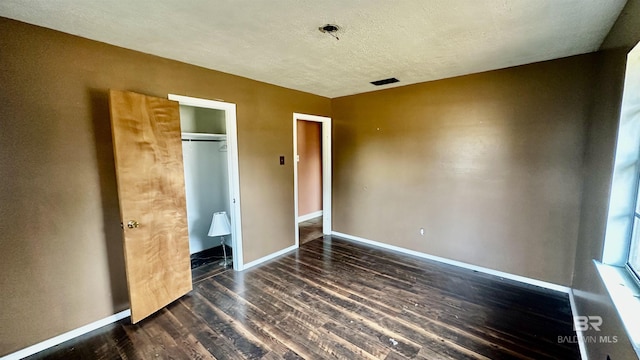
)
(634, 273)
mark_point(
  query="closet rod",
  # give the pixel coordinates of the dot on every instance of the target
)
(204, 140)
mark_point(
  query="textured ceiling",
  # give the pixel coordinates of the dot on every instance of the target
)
(278, 41)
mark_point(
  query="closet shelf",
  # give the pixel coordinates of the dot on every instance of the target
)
(203, 136)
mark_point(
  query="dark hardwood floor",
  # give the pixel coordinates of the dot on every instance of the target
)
(310, 230)
(337, 299)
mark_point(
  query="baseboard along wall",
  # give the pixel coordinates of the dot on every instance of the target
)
(522, 279)
(461, 264)
(123, 314)
(69, 335)
(309, 216)
(268, 257)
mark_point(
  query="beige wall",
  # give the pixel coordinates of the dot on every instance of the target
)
(61, 252)
(309, 167)
(490, 165)
(590, 295)
(625, 33)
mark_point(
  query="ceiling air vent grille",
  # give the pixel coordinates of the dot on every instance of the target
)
(385, 81)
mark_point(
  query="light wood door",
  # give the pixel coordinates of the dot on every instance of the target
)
(150, 177)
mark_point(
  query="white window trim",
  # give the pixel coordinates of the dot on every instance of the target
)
(620, 283)
(625, 295)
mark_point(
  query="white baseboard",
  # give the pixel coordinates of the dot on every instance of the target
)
(309, 216)
(20, 354)
(268, 257)
(125, 313)
(574, 312)
(461, 264)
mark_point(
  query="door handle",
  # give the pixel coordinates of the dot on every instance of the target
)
(132, 224)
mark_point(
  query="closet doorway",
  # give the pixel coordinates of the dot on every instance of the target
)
(312, 176)
(210, 157)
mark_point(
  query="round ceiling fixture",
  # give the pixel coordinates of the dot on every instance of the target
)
(330, 29)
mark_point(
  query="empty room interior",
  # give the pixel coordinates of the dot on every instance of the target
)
(320, 180)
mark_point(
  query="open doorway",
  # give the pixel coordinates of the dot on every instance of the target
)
(210, 160)
(312, 176)
(309, 159)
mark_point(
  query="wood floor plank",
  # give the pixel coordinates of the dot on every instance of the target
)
(306, 326)
(163, 339)
(191, 347)
(539, 323)
(338, 299)
(268, 322)
(410, 309)
(408, 314)
(343, 324)
(242, 341)
(93, 346)
(207, 271)
(144, 347)
(253, 317)
(211, 339)
(505, 310)
(376, 318)
(404, 266)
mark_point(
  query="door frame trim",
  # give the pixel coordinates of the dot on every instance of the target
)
(326, 171)
(232, 160)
